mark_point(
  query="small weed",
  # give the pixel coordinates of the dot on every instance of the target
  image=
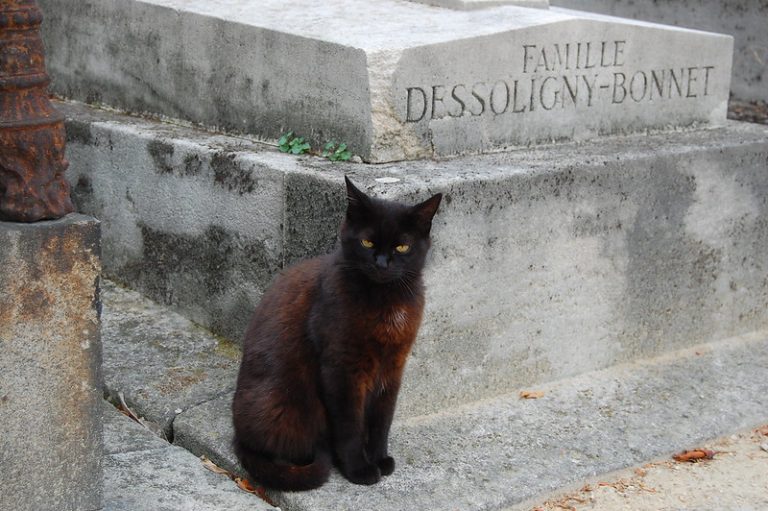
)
(336, 152)
(294, 145)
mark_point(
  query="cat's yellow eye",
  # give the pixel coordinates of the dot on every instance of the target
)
(366, 243)
(402, 249)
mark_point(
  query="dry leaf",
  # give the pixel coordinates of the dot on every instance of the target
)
(531, 394)
(762, 431)
(214, 467)
(694, 455)
(245, 485)
(641, 472)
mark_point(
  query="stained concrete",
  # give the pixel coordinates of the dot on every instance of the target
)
(158, 362)
(745, 20)
(546, 262)
(405, 81)
(144, 473)
(499, 452)
(50, 362)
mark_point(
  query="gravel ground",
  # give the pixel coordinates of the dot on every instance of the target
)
(735, 479)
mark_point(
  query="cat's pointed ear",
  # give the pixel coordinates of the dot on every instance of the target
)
(357, 201)
(424, 212)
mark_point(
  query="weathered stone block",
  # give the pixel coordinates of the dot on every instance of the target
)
(546, 262)
(476, 81)
(745, 20)
(50, 355)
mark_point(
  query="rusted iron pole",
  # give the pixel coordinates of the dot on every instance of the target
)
(32, 136)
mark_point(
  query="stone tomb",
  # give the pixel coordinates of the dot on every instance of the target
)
(401, 81)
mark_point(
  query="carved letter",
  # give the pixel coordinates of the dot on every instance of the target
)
(707, 69)
(408, 105)
(674, 79)
(602, 55)
(590, 88)
(506, 97)
(435, 101)
(572, 91)
(555, 95)
(515, 108)
(618, 49)
(632, 87)
(526, 56)
(479, 98)
(657, 83)
(691, 79)
(458, 100)
(563, 62)
(586, 62)
(619, 85)
(543, 62)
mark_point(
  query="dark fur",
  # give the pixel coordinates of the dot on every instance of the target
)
(325, 350)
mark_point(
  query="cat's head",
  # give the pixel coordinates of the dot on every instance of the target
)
(385, 240)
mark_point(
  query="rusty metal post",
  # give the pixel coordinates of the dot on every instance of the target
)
(32, 137)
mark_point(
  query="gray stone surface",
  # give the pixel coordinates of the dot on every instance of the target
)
(143, 473)
(193, 222)
(484, 4)
(495, 453)
(546, 262)
(160, 362)
(207, 430)
(745, 20)
(122, 434)
(405, 81)
(50, 355)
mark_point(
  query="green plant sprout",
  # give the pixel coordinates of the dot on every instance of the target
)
(294, 145)
(336, 152)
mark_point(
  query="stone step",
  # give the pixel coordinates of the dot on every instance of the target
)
(158, 363)
(487, 455)
(501, 452)
(403, 81)
(546, 262)
(144, 473)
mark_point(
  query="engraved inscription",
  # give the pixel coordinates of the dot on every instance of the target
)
(560, 76)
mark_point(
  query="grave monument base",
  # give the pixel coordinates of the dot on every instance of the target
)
(405, 81)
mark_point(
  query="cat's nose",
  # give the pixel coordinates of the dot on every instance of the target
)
(381, 261)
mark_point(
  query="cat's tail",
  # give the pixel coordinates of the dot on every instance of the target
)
(284, 476)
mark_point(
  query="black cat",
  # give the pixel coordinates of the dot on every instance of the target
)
(324, 353)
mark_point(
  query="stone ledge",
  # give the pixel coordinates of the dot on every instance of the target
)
(552, 260)
(500, 452)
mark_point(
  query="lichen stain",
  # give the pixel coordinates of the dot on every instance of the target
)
(230, 175)
(178, 379)
(162, 155)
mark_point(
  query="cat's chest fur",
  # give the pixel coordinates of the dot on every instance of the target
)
(395, 324)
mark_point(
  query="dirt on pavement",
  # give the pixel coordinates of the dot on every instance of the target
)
(735, 479)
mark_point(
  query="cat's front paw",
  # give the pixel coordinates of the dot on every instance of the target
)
(386, 465)
(369, 474)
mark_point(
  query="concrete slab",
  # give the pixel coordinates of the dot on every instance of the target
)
(161, 362)
(206, 430)
(546, 262)
(122, 434)
(144, 473)
(50, 361)
(499, 452)
(394, 84)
